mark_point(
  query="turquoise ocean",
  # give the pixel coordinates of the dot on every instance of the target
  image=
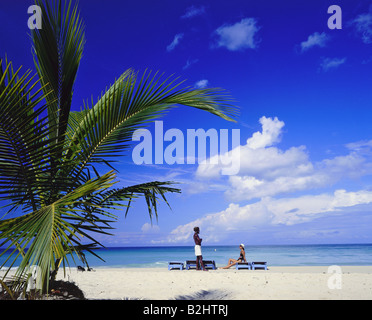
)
(275, 255)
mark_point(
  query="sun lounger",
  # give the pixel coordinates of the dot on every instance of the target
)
(175, 265)
(208, 264)
(243, 265)
(190, 264)
(259, 265)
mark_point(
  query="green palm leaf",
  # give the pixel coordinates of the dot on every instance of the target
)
(114, 198)
(24, 140)
(99, 133)
(46, 232)
(57, 49)
(49, 154)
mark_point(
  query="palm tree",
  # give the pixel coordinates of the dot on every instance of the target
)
(50, 156)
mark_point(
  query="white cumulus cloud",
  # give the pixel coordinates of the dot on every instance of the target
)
(150, 228)
(193, 12)
(331, 63)
(314, 40)
(280, 185)
(271, 132)
(285, 211)
(239, 36)
(363, 27)
(267, 170)
(176, 40)
(201, 84)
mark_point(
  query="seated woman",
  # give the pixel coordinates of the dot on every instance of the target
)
(241, 258)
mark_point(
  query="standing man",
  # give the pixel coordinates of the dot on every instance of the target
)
(198, 253)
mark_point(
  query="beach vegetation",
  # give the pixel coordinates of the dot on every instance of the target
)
(58, 182)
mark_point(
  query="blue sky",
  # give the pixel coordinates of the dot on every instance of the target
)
(304, 93)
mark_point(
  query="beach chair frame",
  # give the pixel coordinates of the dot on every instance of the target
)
(208, 264)
(259, 265)
(190, 264)
(175, 265)
(243, 265)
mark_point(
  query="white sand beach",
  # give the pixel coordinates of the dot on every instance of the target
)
(355, 282)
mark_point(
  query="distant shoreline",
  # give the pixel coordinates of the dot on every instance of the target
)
(234, 245)
(274, 255)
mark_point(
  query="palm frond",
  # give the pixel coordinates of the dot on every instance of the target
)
(57, 49)
(24, 140)
(48, 153)
(123, 197)
(98, 133)
(46, 232)
(151, 191)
